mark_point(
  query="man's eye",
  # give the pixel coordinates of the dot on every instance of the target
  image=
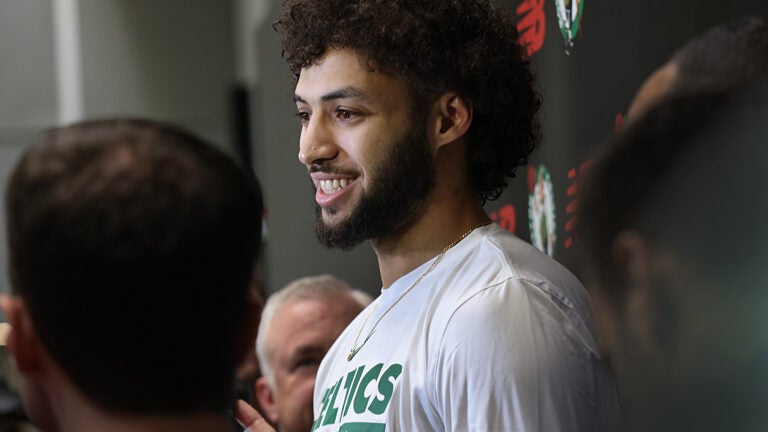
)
(302, 116)
(345, 114)
(306, 362)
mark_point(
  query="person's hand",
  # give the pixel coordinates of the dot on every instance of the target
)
(250, 419)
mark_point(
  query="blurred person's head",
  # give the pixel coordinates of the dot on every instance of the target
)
(727, 56)
(132, 245)
(673, 237)
(299, 324)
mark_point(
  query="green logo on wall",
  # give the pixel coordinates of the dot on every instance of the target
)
(541, 212)
(569, 18)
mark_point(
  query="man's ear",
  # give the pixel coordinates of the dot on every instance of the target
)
(248, 329)
(632, 257)
(266, 398)
(450, 119)
(22, 341)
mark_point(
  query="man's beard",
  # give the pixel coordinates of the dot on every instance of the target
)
(399, 189)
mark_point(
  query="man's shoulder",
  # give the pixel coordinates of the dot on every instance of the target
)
(498, 271)
(496, 255)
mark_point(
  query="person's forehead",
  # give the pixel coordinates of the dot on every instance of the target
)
(305, 322)
(302, 314)
(345, 69)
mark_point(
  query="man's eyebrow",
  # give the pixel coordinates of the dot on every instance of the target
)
(345, 93)
(304, 351)
(348, 92)
(307, 349)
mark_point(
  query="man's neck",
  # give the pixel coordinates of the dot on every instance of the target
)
(444, 221)
(73, 412)
(197, 422)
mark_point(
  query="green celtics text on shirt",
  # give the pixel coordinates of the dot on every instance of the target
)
(362, 390)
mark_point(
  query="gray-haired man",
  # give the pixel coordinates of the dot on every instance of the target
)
(298, 326)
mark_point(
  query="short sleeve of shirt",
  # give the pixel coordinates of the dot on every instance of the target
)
(510, 360)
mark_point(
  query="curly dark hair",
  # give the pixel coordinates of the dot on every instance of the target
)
(468, 46)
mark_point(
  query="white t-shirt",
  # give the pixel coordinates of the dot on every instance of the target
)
(498, 337)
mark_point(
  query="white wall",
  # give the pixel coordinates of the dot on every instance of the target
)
(27, 88)
(161, 59)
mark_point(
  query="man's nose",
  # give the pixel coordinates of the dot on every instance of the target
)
(316, 143)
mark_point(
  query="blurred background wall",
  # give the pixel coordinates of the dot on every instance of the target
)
(27, 86)
(214, 67)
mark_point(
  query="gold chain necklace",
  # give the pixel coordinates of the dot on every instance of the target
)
(355, 347)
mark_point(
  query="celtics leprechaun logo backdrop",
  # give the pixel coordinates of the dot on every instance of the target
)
(541, 212)
(569, 19)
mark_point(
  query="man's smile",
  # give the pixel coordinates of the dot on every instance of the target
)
(330, 186)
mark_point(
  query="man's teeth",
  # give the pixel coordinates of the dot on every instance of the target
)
(331, 186)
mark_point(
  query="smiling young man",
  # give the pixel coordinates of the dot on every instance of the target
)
(413, 114)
